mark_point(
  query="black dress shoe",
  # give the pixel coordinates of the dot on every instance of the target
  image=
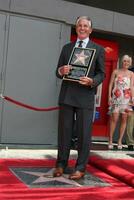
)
(130, 147)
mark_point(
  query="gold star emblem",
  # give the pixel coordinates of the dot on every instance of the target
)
(80, 58)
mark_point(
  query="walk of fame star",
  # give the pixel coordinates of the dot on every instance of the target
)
(81, 57)
(37, 177)
(47, 177)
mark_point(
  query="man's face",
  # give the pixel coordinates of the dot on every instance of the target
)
(83, 29)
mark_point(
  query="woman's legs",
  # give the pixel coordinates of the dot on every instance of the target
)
(122, 127)
(113, 122)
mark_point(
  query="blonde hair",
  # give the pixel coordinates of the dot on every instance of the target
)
(128, 57)
(130, 60)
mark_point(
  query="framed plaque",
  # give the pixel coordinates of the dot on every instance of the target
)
(80, 60)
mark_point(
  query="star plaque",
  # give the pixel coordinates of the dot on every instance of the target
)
(42, 177)
(80, 60)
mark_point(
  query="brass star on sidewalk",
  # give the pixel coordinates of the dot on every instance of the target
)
(45, 177)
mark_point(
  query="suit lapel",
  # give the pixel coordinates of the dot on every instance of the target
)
(70, 48)
(90, 44)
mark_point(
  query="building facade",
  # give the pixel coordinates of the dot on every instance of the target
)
(32, 33)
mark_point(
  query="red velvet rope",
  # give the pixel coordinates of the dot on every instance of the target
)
(28, 106)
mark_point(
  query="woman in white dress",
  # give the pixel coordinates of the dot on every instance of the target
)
(121, 98)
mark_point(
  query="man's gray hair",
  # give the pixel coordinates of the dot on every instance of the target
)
(84, 17)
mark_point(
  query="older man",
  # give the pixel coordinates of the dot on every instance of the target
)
(77, 99)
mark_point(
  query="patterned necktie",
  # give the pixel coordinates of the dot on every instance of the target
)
(80, 43)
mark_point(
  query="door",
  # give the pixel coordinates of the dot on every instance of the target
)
(33, 49)
(100, 125)
(3, 20)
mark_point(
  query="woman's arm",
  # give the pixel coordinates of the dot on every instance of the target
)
(111, 84)
(132, 86)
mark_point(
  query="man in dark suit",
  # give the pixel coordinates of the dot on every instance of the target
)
(77, 98)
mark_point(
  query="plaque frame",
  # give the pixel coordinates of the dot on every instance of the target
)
(81, 60)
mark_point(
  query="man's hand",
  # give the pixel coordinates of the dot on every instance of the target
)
(86, 81)
(64, 70)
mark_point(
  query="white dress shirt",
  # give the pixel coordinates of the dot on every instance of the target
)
(84, 44)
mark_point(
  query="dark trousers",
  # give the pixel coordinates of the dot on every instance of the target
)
(83, 122)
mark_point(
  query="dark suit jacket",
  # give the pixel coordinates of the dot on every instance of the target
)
(131, 68)
(73, 93)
